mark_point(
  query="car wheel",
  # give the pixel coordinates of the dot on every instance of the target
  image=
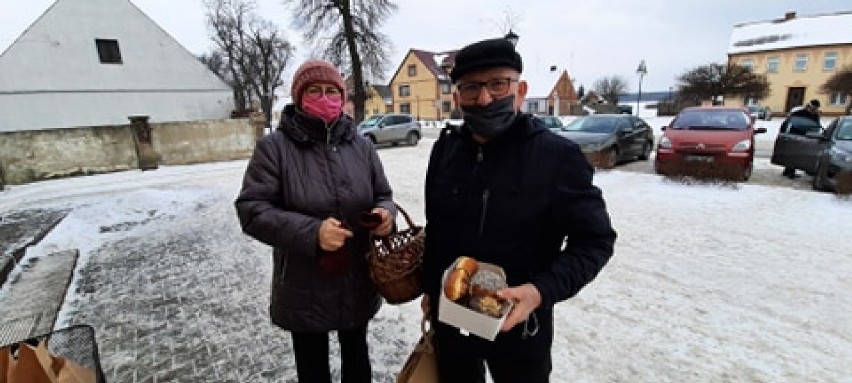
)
(412, 138)
(818, 183)
(646, 152)
(747, 172)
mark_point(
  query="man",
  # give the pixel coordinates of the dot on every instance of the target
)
(505, 190)
(809, 110)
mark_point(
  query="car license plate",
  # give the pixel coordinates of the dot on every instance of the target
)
(697, 158)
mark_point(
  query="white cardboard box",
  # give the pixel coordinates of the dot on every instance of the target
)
(466, 318)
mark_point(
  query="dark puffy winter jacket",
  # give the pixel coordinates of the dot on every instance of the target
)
(298, 176)
(523, 201)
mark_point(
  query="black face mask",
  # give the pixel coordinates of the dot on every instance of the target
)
(490, 120)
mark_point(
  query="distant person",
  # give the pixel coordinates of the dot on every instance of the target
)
(810, 111)
(303, 191)
(503, 189)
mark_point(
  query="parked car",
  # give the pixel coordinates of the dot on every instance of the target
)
(760, 112)
(803, 144)
(607, 139)
(624, 109)
(552, 122)
(708, 141)
(391, 128)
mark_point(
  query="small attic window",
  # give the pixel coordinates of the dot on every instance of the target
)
(108, 51)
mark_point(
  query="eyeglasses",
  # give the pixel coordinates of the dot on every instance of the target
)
(316, 91)
(497, 87)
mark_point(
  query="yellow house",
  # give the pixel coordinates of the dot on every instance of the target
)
(797, 55)
(379, 101)
(421, 85)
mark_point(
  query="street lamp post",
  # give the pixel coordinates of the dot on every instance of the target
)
(642, 70)
(512, 37)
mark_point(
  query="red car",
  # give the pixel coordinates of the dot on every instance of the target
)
(708, 141)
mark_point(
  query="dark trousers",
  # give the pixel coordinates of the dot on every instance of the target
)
(457, 367)
(311, 349)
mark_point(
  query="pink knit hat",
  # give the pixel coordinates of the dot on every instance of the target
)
(312, 72)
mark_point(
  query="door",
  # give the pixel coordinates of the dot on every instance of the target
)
(628, 137)
(795, 97)
(794, 148)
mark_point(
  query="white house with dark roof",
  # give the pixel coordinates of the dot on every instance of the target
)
(797, 54)
(96, 62)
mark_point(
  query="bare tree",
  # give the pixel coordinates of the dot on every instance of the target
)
(228, 21)
(265, 57)
(217, 63)
(251, 53)
(840, 83)
(718, 80)
(610, 88)
(509, 21)
(348, 32)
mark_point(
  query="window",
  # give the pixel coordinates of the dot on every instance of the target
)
(108, 51)
(412, 70)
(532, 106)
(829, 62)
(837, 98)
(747, 63)
(404, 91)
(801, 64)
(445, 88)
(445, 107)
(405, 108)
(772, 64)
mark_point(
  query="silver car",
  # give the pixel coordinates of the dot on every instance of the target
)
(391, 128)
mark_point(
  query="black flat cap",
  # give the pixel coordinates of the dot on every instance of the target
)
(486, 54)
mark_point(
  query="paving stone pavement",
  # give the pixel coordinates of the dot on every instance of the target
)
(22, 228)
(31, 299)
(171, 302)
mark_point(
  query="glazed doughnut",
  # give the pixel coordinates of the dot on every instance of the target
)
(457, 285)
(467, 264)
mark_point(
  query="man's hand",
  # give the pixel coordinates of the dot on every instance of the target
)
(332, 234)
(385, 227)
(526, 298)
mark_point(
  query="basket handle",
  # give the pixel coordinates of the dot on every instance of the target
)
(408, 219)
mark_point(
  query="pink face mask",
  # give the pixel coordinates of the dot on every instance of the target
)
(322, 107)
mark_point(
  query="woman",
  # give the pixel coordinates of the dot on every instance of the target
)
(304, 190)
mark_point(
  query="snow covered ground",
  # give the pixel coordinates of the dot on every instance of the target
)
(709, 283)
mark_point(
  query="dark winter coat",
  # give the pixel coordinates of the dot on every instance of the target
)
(298, 176)
(515, 201)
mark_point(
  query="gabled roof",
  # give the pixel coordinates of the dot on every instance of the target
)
(383, 91)
(792, 32)
(434, 61)
(57, 52)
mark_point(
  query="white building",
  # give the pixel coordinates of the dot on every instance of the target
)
(96, 62)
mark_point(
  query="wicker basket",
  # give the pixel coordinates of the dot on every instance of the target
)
(395, 262)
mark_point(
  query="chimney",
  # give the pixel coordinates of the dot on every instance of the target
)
(789, 16)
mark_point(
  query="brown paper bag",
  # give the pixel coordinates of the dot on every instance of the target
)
(38, 365)
(70, 372)
(30, 367)
(6, 364)
(421, 366)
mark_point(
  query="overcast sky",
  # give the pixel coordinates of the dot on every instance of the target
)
(591, 39)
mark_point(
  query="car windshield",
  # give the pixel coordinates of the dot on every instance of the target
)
(592, 124)
(711, 120)
(844, 131)
(371, 121)
(754, 109)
